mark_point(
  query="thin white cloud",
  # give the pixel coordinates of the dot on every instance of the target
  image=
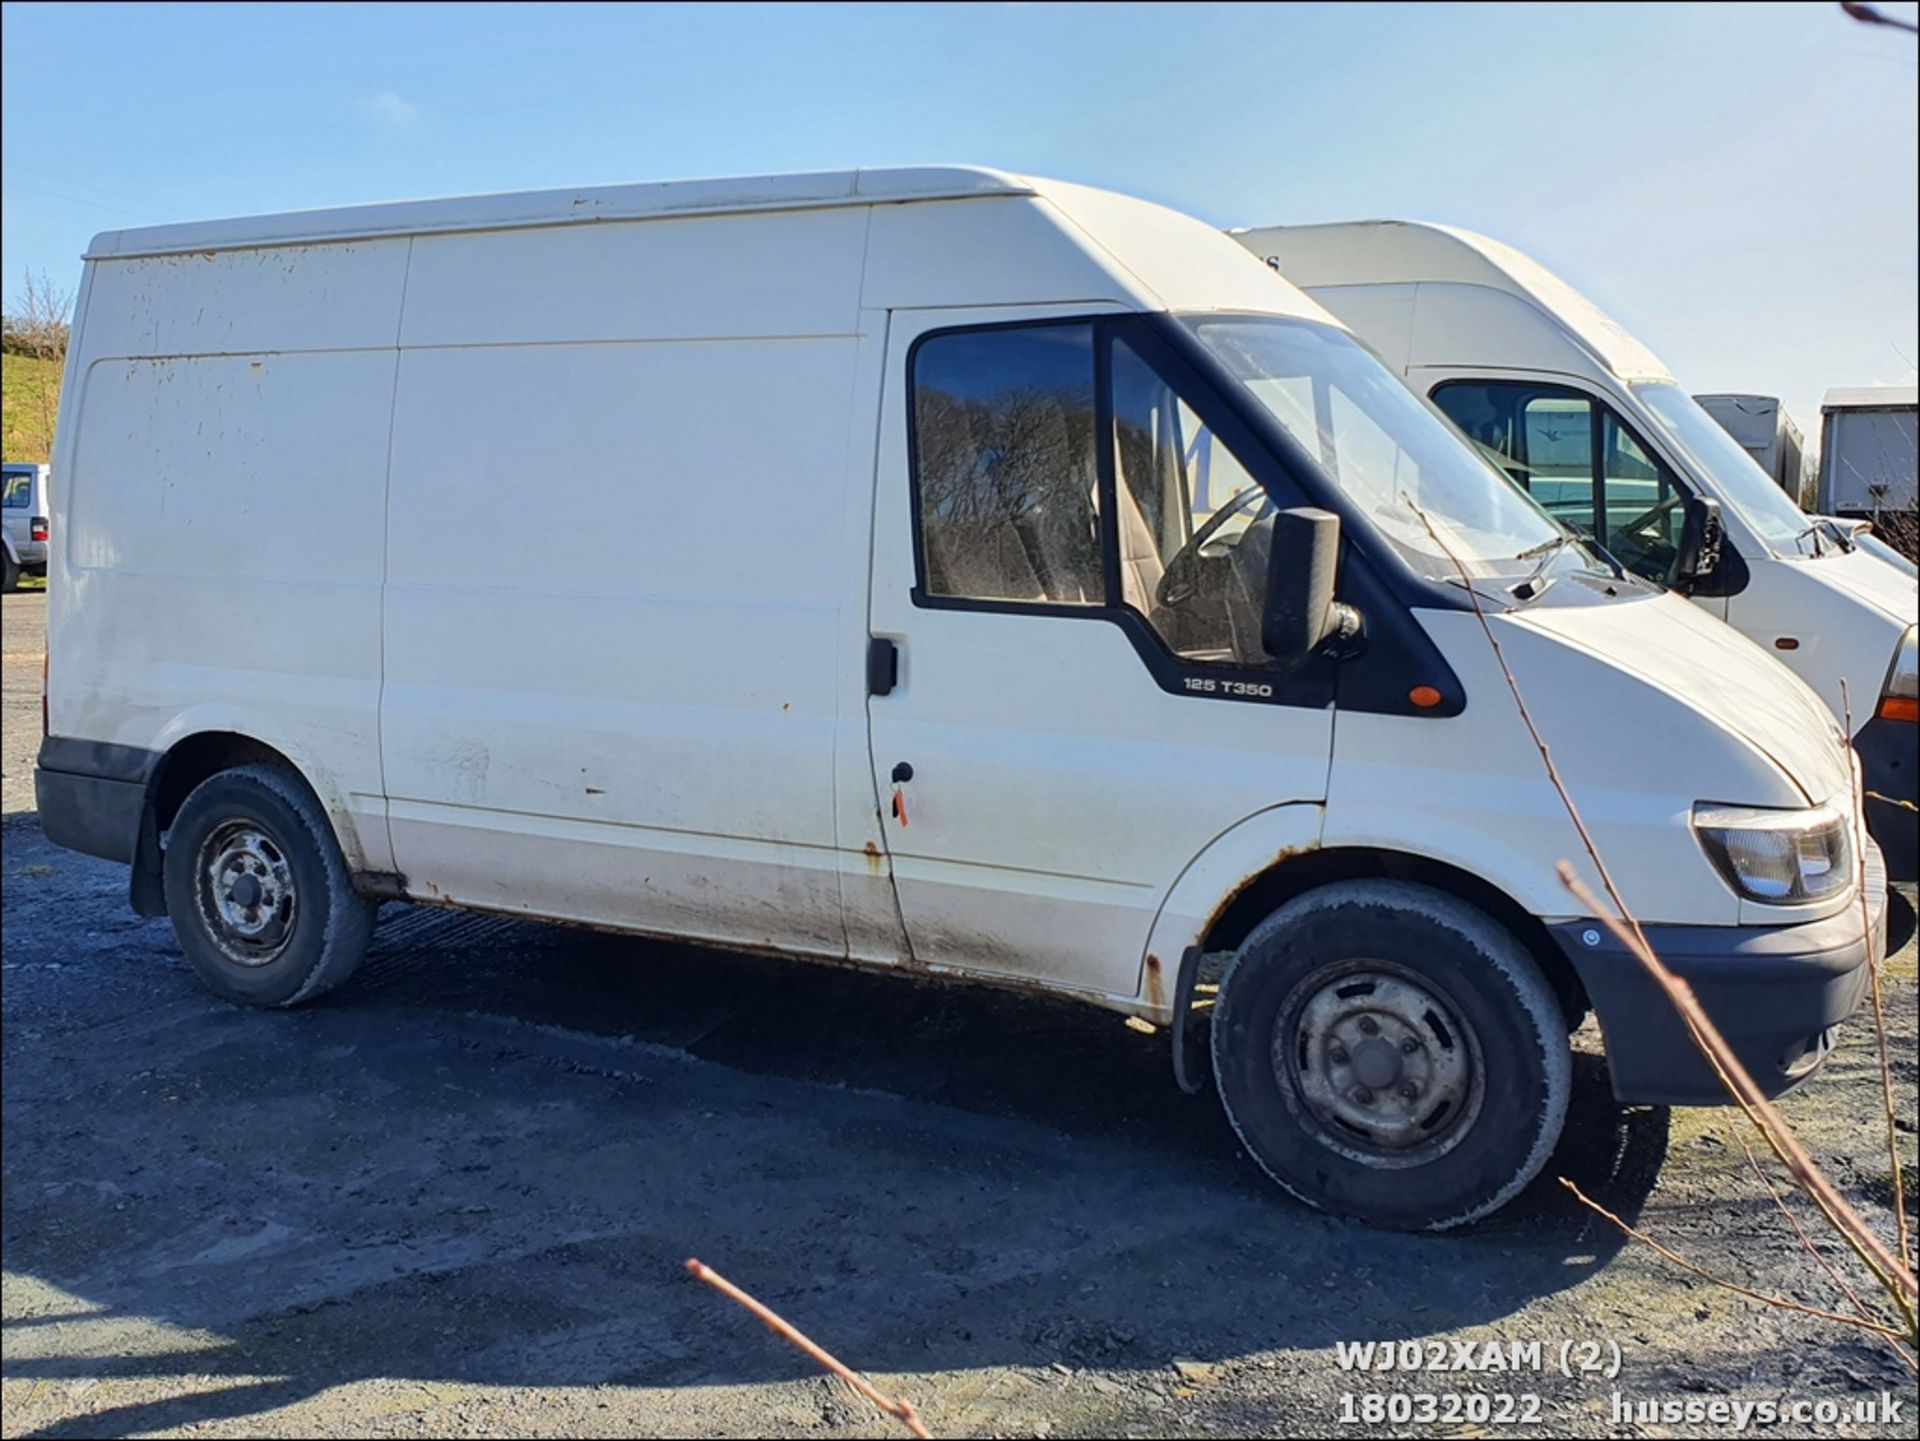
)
(389, 111)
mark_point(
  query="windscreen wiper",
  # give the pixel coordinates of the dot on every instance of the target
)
(1545, 551)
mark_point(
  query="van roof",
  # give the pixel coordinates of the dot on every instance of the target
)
(1871, 397)
(566, 207)
(1398, 252)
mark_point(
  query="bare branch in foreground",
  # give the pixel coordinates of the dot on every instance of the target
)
(901, 1409)
(1806, 1241)
(1867, 15)
(1901, 1239)
(1879, 1329)
(1892, 1273)
(1526, 716)
(1888, 1269)
(1890, 800)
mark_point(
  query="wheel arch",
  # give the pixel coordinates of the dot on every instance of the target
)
(198, 757)
(1259, 864)
(187, 761)
(1266, 890)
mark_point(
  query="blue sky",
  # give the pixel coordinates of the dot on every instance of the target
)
(1734, 183)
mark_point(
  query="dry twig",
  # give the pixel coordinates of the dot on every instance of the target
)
(1806, 1241)
(1526, 716)
(1892, 1272)
(1890, 800)
(900, 1409)
(1867, 15)
(1877, 1327)
(1889, 1270)
(1901, 1240)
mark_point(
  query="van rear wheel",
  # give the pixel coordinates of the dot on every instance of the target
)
(1388, 1052)
(258, 890)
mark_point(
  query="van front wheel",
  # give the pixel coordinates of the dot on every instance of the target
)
(1386, 1051)
(258, 891)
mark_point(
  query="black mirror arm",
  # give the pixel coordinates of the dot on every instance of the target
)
(1702, 535)
(1303, 620)
(1346, 632)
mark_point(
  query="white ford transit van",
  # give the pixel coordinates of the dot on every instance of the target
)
(964, 574)
(1595, 427)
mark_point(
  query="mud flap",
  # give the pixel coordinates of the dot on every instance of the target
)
(146, 888)
(1189, 1064)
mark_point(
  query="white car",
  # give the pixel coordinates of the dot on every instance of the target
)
(952, 585)
(24, 515)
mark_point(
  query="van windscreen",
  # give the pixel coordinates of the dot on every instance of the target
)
(1742, 484)
(1387, 450)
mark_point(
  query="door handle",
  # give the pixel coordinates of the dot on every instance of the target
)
(883, 666)
(902, 773)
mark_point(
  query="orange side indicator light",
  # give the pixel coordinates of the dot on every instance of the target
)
(1424, 696)
(1786, 642)
(1899, 708)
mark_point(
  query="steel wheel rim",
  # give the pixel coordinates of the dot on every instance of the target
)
(243, 880)
(1377, 1063)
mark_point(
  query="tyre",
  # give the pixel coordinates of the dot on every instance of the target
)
(9, 573)
(258, 891)
(1386, 1051)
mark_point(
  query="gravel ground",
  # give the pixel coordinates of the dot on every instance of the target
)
(453, 1198)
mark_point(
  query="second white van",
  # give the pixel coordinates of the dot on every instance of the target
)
(964, 574)
(1590, 422)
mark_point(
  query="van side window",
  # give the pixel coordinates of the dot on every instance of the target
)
(1579, 461)
(1194, 526)
(1004, 457)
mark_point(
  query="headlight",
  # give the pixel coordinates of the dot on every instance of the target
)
(1900, 696)
(1778, 857)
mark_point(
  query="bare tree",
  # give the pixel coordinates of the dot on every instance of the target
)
(38, 327)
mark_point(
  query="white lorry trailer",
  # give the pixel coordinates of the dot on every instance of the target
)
(1766, 432)
(1867, 453)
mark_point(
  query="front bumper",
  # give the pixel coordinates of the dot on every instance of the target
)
(1888, 769)
(1774, 992)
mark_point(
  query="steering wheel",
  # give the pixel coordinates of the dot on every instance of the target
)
(1654, 514)
(1648, 548)
(1180, 581)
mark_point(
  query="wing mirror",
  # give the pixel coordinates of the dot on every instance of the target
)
(1302, 618)
(1701, 536)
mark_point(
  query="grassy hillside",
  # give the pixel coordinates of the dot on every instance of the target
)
(31, 392)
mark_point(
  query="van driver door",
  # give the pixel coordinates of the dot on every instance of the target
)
(1069, 699)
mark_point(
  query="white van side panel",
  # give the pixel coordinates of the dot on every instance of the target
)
(235, 302)
(973, 252)
(1469, 325)
(219, 554)
(1181, 262)
(725, 277)
(1380, 315)
(1372, 252)
(633, 721)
